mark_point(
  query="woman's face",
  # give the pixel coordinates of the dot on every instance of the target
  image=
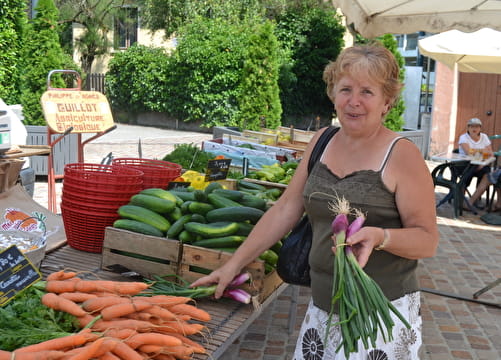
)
(360, 103)
(474, 130)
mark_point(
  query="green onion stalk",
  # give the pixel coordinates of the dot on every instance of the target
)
(160, 285)
(363, 309)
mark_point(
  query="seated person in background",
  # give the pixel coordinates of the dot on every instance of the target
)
(473, 141)
(488, 179)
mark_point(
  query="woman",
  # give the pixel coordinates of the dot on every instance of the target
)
(470, 143)
(377, 172)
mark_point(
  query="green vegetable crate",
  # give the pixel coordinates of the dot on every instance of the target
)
(152, 255)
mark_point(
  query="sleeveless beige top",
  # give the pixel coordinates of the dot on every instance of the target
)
(365, 190)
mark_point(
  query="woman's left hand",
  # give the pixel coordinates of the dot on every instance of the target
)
(364, 241)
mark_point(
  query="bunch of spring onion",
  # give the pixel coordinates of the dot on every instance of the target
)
(161, 285)
(363, 308)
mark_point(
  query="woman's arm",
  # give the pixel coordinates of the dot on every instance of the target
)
(408, 175)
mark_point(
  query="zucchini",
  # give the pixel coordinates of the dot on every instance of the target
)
(161, 193)
(212, 230)
(234, 195)
(153, 203)
(178, 226)
(235, 213)
(250, 185)
(197, 207)
(224, 241)
(144, 215)
(220, 201)
(253, 201)
(137, 227)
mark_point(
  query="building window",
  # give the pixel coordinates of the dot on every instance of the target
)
(412, 42)
(126, 24)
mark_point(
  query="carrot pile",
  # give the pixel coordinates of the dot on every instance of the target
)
(115, 323)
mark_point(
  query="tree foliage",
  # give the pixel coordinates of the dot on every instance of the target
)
(41, 54)
(13, 20)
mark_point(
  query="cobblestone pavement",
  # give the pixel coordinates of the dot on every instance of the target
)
(468, 258)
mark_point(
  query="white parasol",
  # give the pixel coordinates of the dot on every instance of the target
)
(479, 51)
(373, 18)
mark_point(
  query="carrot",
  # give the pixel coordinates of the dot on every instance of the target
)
(161, 313)
(193, 311)
(165, 357)
(77, 297)
(121, 334)
(180, 327)
(83, 321)
(39, 355)
(61, 304)
(138, 325)
(69, 341)
(199, 349)
(89, 351)
(180, 352)
(152, 339)
(124, 351)
(168, 300)
(109, 356)
(61, 275)
(89, 286)
(99, 303)
(119, 310)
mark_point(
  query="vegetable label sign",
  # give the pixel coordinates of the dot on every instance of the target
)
(85, 111)
(16, 273)
(217, 169)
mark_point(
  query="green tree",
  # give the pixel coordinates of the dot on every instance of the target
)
(13, 20)
(41, 54)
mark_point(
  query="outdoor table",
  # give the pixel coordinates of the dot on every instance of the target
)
(473, 162)
(229, 318)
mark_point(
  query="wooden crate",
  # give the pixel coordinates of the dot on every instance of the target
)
(144, 254)
(266, 138)
(197, 262)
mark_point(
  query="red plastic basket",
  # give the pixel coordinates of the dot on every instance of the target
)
(85, 229)
(97, 197)
(103, 174)
(157, 173)
(93, 190)
(79, 204)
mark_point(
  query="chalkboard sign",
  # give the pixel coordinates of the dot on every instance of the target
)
(217, 169)
(178, 184)
(16, 273)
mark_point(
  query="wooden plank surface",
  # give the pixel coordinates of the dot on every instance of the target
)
(229, 318)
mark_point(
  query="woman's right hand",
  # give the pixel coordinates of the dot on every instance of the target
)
(221, 276)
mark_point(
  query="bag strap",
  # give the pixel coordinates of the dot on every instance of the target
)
(319, 147)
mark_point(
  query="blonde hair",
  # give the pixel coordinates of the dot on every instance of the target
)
(374, 61)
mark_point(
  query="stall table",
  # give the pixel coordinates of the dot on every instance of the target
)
(229, 318)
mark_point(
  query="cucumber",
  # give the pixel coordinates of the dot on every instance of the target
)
(219, 201)
(144, 215)
(184, 195)
(250, 185)
(186, 237)
(161, 193)
(185, 206)
(174, 215)
(225, 241)
(137, 226)
(253, 201)
(235, 213)
(212, 230)
(277, 246)
(153, 203)
(197, 207)
(214, 185)
(198, 218)
(200, 195)
(270, 257)
(178, 226)
(244, 228)
(234, 195)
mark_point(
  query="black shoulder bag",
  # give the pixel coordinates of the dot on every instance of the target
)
(292, 265)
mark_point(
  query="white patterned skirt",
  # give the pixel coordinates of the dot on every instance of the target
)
(406, 343)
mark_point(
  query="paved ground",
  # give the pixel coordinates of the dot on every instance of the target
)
(468, 258)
